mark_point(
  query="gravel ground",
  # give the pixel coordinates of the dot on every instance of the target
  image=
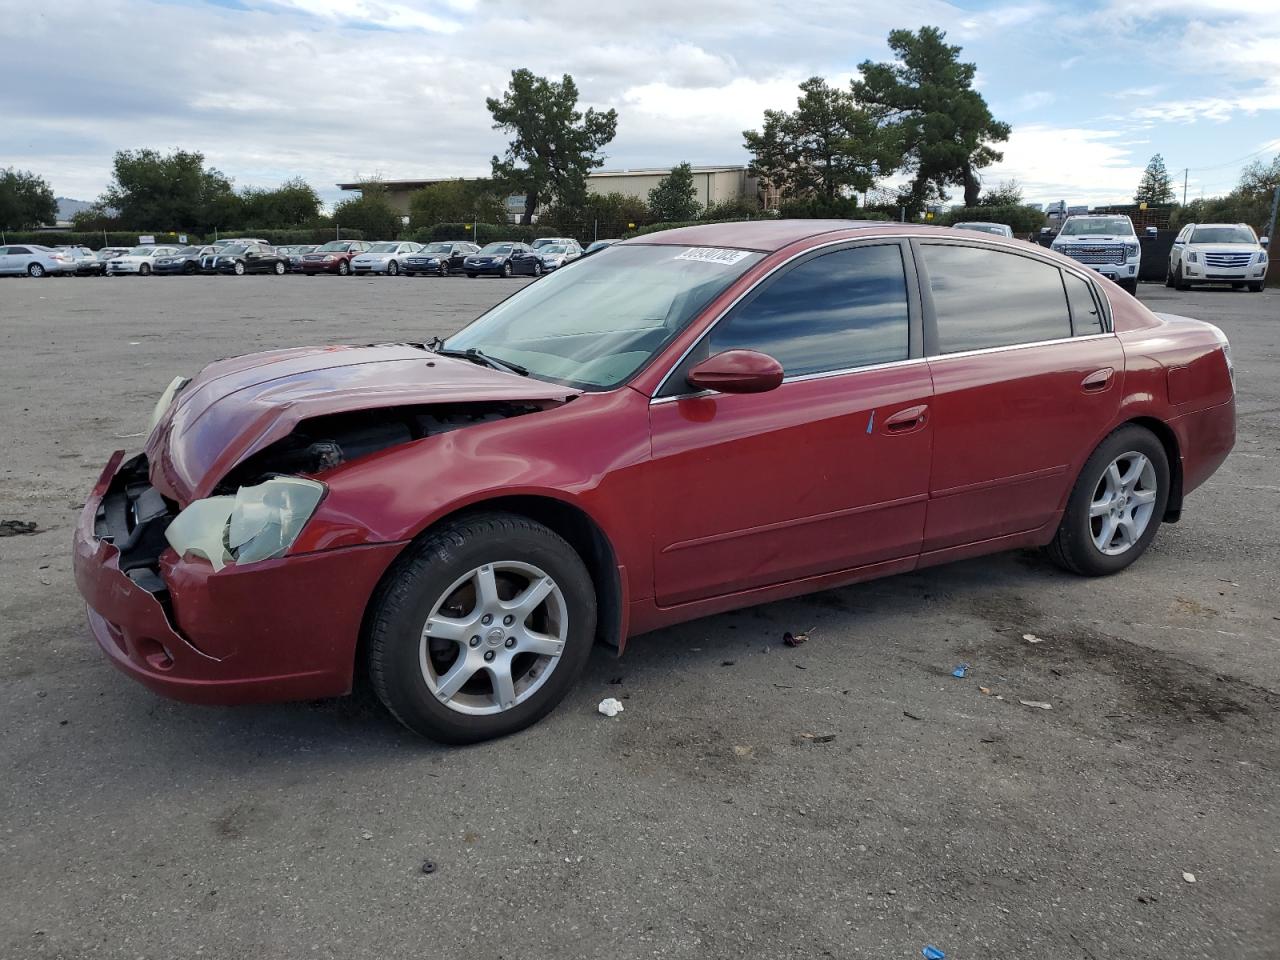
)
(700, 823)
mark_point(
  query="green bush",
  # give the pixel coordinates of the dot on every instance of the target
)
(94, 239)
(1020, 219)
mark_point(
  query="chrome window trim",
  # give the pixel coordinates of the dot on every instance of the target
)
(1001, 243)
(1020, 346)
(802, 377)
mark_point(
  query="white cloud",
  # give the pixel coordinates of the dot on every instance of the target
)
(1067, 163)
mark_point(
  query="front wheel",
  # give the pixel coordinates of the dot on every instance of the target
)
(393, 269)
(506, 269)
(537, 269)
(481, 628)
(1116, 505)
(1255, 287)
(279, 268)
(189, 269)
(1180, 281)
(344, 268)
(238, 269)
(471, 276)
(1168, 276)
(144, 270)
(443, 270)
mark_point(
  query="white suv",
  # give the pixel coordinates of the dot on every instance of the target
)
(1103, 242)
(1218, 253)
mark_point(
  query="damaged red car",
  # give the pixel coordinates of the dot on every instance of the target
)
(682, 424)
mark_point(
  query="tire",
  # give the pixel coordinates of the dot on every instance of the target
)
(1180, 281)
(443, 271)
(537, 269)
(506, 269)
(1075, 546)
(393, 269)
(144, 270)
(471, 276)
(1168, 277)
(439, 575)
(238, 269)
(189, 270)
(36, 270)
(344, 268)
(279, 269)
(1255, 287)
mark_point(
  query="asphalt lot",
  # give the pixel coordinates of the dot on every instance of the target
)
(701, 822)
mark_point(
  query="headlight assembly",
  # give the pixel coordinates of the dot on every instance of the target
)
(258, 523)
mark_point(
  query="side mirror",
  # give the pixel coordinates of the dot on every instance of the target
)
(1265, 241)
(737, 371)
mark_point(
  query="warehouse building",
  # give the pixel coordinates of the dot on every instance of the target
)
(714, 184)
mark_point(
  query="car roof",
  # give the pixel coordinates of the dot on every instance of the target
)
(767, 236)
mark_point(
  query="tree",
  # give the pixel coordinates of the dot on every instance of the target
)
(675, 197)
(827, 148)
(457, 201)
(1007, 194)
(598, 215)
(26, 200)
(554, 145)
(151, 191)
(1260, 178)
(291, 204)
(1155, 189)
(371, 213)
(945, 125)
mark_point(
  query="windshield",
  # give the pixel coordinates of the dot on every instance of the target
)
(436, 248)
(384, 248)
(596, 325)
(1222, 235)
(543, 241)
(497, 248)
(189, 252)
(335, 246)
(1107, 226)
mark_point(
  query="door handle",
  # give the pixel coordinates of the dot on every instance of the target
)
(908, 420)
(1098, 381)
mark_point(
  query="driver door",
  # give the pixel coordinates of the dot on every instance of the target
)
(827, 472)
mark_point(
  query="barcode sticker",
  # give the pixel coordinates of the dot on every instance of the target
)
(712, 255)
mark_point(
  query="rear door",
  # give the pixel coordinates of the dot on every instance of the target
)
(825, 473)
(1027, 380)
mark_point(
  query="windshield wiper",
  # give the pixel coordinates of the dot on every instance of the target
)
(476, 355)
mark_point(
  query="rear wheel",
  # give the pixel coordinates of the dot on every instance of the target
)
(279, 269)
(1116, 505)
(481, 628)
(144, 270)
(35, 270)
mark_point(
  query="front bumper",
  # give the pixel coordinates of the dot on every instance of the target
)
(170, 268)
(249, 635)
(420, 265)
(311, 266)
(495, 268)
(378, 267)
(1208, 273)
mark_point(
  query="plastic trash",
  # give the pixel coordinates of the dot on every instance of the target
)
(1032, 638)
(932, 953)
(610, 707)
(794, 640)
(1039, 704)
(959, 671)
(1189, 877)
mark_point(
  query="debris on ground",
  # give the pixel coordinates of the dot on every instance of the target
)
(910, 715)
(1039, 704)
(1189, 877)
(932, 953)
(727, 663)
(747, 752)
(610, 707)
(818, 737)
(615, 681)
(794, 640)
(1032, 638)
(429, 866)
(366, 835)
(985, 691)
(18, 528)
(960, 671)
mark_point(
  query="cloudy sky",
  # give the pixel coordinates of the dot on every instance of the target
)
(333, 90)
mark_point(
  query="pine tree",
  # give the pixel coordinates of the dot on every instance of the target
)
(1155, 188)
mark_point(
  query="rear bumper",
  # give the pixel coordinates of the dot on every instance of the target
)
(1205, 438)
(250, 635)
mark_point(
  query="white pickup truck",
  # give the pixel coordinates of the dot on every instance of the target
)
(1105, 243)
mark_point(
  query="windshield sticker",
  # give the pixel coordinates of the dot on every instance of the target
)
(713, 255)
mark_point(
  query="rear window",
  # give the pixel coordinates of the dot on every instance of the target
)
(1086, 315)
(988, 298)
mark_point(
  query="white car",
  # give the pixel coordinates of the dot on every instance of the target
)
(1105, 243)
(387, 257)
(556, 255)
(995, 229)
(1218, 253)
(139, 261)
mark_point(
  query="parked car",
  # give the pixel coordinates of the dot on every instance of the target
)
(546, 241)
(440, 258)
(597, 245)
(555, 255)
(604, 454)
(503, 260)
(243, 258)
(87, 262)
(1218, 253)
(35, 260)
(295, 253)
(995, 229)
(1105, 243)
(185, 260)
(387, 257)
(110, 253)
(333, 257)
(139, 261)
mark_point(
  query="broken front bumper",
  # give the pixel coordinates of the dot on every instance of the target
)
(282, 629)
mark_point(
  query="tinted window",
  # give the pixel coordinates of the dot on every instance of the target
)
(987, 298)
(840, 310)
(1086, 316)
(19, 250)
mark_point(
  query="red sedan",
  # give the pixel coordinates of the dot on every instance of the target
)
(681, 424)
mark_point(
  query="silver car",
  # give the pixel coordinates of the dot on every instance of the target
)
(982, 226)
(556, 255)
(35, 260)
(387, 257)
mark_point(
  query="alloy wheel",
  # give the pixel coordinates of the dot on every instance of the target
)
(1122, 503)
(494, 637)
(35, 270)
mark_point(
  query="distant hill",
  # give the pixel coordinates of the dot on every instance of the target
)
(68, 208)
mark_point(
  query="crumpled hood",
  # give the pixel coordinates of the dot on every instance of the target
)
(236, 407)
